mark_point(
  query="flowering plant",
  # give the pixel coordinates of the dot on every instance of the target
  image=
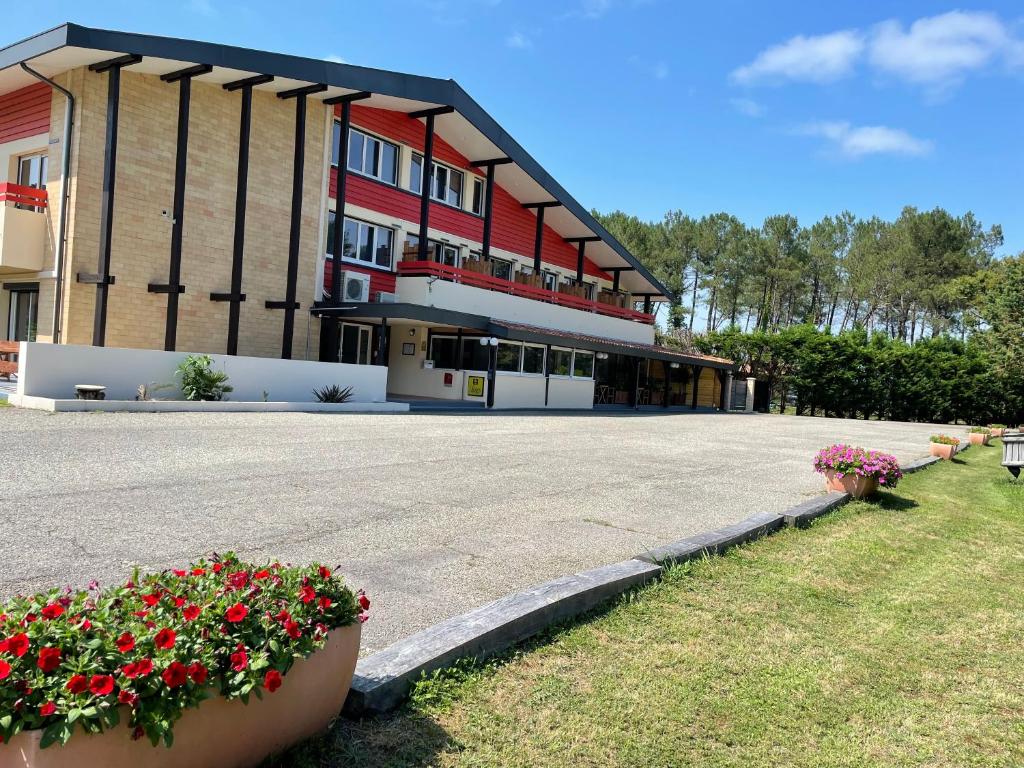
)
(980, 431)
(161, 643)
(845, 460)
(945, 440)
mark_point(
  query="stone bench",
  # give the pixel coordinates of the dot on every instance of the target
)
(1013, 452)
(90, 392)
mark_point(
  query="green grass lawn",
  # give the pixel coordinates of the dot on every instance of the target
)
(890, 633)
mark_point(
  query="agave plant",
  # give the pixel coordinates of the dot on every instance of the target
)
(333, 394)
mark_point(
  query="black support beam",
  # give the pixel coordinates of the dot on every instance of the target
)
(696, 383)
(302, 92)
(426, 174)
(492, 162)
(538, 240)
(103, 279)
(348, 98)
(248, 82)
(432, 112)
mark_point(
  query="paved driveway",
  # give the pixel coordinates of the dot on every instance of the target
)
(431, 514)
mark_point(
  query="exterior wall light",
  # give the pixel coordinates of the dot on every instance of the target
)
(673, 365)
(488, 341)
(602, 355)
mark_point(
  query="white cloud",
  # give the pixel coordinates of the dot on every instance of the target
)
(747, 107)
(660, 71)
(816, 59)
(858, 141)
(518, 40)
(941, 50)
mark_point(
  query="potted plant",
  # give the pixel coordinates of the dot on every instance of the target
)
(944, 446)
(996, 430)
(223, 663)
(979, 435)
(856, 471)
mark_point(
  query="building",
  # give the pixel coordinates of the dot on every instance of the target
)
(179, 195)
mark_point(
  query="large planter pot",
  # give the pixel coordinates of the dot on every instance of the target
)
(978, 438)
(943, 451)
(997, 432)
(856, 486)
(219, 733)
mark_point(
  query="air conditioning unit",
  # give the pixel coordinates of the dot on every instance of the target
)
(386, 297)
(355, 286)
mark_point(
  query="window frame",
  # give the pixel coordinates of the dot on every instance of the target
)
(372, 263)
(448, 169)
(367, 134)
(593, 364)
(477, 203)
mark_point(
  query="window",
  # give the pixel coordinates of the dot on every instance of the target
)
(510, 357)
(501, 268)
(444, 351)
(32, 173)
(478, 197)
(533, 359)
(364, 243)
(445, 182)
(475, 356)
(355, 344)
(442, 253)
(550, 280)
(583, 364)
(367, 155)
(23, 315)
(561, 362)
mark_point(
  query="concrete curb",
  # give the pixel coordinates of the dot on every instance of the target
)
(185, 406)
(714, 542)
(383, 680)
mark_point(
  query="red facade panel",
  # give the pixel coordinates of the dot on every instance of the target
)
(25, 112)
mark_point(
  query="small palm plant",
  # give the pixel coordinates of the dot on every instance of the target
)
(199, 381)
(333, 394)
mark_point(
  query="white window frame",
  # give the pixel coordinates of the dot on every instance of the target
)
(544, 360)
(372, 264)
(511, 267)
(593, 365)
(554, 276)
(477, 183)
(448, 169)
(365, 135)
(547, 363)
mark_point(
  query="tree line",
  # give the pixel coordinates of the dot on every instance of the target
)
(914, 319)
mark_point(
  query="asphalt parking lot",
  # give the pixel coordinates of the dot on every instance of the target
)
(431, 514)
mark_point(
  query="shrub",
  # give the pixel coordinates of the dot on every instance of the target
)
(199, 381)
(333, 394)
(997, 426)
(161, 643)
(845, 460)
(980, 431)
(945, 440)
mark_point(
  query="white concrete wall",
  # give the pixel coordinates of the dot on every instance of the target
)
(53, 370)
(514, 391)
(502, 306)
(571, 393)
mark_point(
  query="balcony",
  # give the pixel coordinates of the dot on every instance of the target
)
(466, 290)
(22, 228)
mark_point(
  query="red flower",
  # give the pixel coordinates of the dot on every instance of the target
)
(125, 642)
(139, 668)
(259, 575)
(191, 612)
(141, 614)
(47, 709)
(283, 616)
(292, 628)
(175, 675)
(364, 602)
(86, 624)
(151, 599)
(198, 571)
(178, 601)
(29, 618)
(363, 617)
(236, 613)
(272, 680)
(238, 579)
(325, 603)
(5, 670)
(239, 659)
(127, 697)
(165, 638)
(198, 673)
(49, 659)
(18, 644)
(307, 593)
(101, 685)
(325, 572)
(77, 684)
(180, 573)
(52, 611)
(218, 567)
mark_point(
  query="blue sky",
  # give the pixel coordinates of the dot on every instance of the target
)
(648, 105)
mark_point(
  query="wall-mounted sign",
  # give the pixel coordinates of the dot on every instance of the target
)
(449, 379)
(475, 386)
(409, 348)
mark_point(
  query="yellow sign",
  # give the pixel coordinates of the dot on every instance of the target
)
(475, 386)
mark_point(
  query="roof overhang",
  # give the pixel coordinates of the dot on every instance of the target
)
(468, 128)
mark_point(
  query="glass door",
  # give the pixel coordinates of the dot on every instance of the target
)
(355, 344)
(32, 173)
(23, 316)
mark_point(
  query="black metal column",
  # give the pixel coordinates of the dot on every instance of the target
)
(615, 280)
(382, 342)
(426, 172)
(579, 260)
(668, 382)
(103, 279)
(696, 383)
(488, 211)
(492, 368)
(647, 305)
(538, 240)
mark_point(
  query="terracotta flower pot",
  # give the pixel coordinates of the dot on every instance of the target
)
(942, 450)
(978, 438)
(219, 733)
(856, 486)
(997, 432)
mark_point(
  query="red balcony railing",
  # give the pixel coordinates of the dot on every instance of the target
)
(477, 280)
(23, 197)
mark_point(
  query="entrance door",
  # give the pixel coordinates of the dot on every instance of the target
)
(23, 315)
(355, 344)
(31, 173)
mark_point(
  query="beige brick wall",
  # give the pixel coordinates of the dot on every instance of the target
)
(145, 187)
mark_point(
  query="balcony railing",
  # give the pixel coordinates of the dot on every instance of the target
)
(23, 197)
(488, 282)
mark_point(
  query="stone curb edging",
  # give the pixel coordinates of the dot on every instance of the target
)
(383, 680)
(185, 406)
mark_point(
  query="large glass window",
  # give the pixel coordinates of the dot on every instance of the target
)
(533, 359)
(365, 243)
(509, 357)
(501, 268)
(444, 351)
(367, 155)
(583, 364)
(445, 183)
(32, 173)
(561, 362)
(23, 316)
(478, 197)
(550, 280)
(475, 356)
